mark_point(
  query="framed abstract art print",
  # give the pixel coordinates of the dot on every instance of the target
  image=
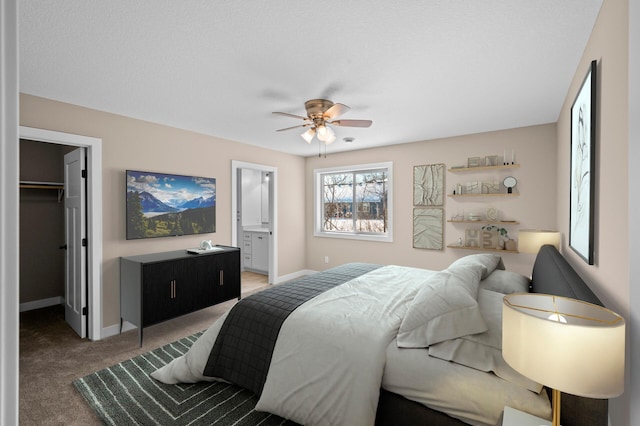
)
(583, 141)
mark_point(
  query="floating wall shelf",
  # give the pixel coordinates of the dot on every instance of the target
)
(483, 168)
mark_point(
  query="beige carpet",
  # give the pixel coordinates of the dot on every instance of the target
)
(52, 356)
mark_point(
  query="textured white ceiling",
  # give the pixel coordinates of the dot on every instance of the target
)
(419, 69)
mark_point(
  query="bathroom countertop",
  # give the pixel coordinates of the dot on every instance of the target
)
(257, 228)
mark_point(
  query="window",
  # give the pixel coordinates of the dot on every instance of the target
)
(354, 202)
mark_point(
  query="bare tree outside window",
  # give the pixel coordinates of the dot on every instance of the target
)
(355, 202)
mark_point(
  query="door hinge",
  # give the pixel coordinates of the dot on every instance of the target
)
(84, 173)
(84, 242)
(85, 311)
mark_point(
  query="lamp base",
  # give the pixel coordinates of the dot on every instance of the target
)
(555, 406)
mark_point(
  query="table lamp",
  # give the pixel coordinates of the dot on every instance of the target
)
(530, 240)
(565, 344)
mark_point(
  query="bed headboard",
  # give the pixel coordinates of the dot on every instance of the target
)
(553, 275)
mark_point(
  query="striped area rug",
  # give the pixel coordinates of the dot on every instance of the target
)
(125, 394)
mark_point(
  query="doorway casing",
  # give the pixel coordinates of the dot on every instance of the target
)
(94, 215)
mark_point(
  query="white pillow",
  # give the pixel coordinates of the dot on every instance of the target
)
(487, 261)
(445, 308)
(484, 351)
(506, 282)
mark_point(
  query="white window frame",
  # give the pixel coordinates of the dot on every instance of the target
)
(318, 204)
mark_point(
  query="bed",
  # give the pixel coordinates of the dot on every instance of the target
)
(365, 344)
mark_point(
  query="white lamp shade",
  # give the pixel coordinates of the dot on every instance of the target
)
(322, 132)
(583, 356)
(330, 137)
(530, 240)
(308, 135)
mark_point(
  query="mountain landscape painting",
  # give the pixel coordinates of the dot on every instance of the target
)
(164, 205)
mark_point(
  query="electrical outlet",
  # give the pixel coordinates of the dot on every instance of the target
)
(326, 259)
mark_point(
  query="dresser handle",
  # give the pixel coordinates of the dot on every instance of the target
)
(221, 277)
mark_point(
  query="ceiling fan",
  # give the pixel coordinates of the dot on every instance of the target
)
(320, 114)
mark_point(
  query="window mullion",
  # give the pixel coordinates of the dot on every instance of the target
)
(354, 205)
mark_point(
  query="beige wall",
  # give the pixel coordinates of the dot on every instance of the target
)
(632, 392)
(535, 150)
(134, 144)
(609, 276)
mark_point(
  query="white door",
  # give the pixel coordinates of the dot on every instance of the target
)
(75, 233)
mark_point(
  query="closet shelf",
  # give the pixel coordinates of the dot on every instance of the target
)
(41, 185)
(29, 184)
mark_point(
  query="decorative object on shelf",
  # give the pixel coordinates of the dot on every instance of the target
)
(474, 162)
(501, 233)
(457, 217)
(491, 240)
(428, 228)
(511, 245)
(472, 238)
(583, 153)
(510, 182)
(505, 161)
(473, 187)
(460, 243)
(491, 160)
(530, 240)
(492, 187)
(565, 344)
(473, 216)
(428, 185)
(492, 214)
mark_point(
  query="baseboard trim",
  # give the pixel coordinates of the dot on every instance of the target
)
(292, 276)
(42, 303)
(114, 330)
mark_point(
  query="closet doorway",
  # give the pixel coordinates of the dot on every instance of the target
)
(88, 322)
(254, 209)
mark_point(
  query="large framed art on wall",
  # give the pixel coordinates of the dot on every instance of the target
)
(583, 141)
(168, 205)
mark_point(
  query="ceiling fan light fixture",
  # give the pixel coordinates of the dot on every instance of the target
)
(321, 113)
(322, 132)
(309, 134)
(330, 137)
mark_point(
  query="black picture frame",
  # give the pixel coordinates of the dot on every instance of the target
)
(583, 162)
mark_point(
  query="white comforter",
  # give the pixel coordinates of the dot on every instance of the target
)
(329, 359)
(328, 362)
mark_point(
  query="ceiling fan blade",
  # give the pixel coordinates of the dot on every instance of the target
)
(352, 123)
(335, 111)
(290, 115)
(293, 127)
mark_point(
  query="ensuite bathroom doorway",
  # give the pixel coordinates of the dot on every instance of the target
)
(255, 213)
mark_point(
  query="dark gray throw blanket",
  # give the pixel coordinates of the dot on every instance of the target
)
(244, 347)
